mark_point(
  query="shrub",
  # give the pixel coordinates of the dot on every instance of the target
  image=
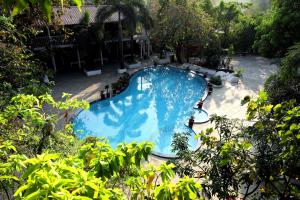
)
(285, 85)
(216, 80)
(239, 72)
(261, 158)
(279, 90)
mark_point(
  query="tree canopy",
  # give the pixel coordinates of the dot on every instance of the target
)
(279, 28)
(261, 159)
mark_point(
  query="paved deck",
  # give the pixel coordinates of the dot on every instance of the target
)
(223, 101)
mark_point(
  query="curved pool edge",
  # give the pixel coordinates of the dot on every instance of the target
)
(157, 154)
(205, 121)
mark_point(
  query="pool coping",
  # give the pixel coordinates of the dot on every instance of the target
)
(204, 97)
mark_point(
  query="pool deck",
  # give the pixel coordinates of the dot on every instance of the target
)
(223, 101)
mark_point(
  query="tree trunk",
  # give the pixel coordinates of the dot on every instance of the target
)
(121, 55)
(51, 50)
(131, 48)
(101, 56)
(180, 53)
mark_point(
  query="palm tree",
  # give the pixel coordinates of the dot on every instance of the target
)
(143, 17)
(132, 12)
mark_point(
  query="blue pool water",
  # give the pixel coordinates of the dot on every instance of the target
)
(156, 104)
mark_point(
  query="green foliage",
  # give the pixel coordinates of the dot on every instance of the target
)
(31, 129)
(290, 67)
(37, 161)
(133, 12)
(239, 72)
(279, 28)
(20, 71)
(177, 24)
(280, 91)
(216, 80)
(263, 154)
(244, 33)
(227, 14)
(15, 7)
(85, 19)
(285, 85)
(97, 172)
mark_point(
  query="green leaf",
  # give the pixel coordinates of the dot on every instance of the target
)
(246, 145)
(81, 198)
(268, 108)
(9, 177)
(294, 127)
(21, 189)
(46, 8)
(79, 4)
(20, 5)
(34, 195)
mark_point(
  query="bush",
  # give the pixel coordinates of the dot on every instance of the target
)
(278, 29)
(260, 158)
(216, 80)
(244, 34)
(279, 90)
(239, 72)
(285, 85)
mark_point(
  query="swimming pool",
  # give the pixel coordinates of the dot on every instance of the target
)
(156, 104)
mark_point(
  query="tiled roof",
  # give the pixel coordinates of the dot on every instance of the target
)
(71, 15)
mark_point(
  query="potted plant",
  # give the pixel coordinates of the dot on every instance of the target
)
(239, 72)
(210, 89)
(118, 86)
(200, 104)
(245, 100)
(102, 95)
(216, 81)
(114, 88)
(133, 64)
(107, 93)
(191, 121)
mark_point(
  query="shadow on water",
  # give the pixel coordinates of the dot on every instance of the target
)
(154, 106)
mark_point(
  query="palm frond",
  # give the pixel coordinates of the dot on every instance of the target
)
(104, 13)
(129, 16)
(144, 16)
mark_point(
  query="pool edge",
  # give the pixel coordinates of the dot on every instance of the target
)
(157, 154)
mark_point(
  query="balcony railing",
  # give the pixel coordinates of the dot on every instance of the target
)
(54, 42)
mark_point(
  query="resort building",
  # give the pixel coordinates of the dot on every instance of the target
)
(74, 45)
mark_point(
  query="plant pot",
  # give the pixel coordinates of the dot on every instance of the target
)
(92, 72)
(102, 95)
(135, 65)
(191, 122)
(217, 86)
(199, 105)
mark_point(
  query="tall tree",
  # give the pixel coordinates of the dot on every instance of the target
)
(279, 28)
(227, 15)
(177, 24)
(132, 11)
